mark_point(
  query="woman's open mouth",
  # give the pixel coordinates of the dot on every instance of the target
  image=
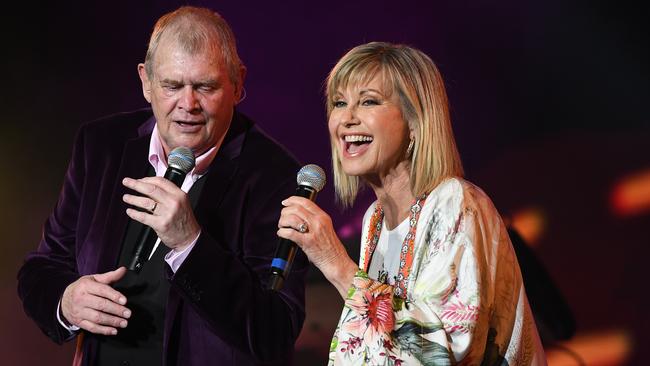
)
(356, 144)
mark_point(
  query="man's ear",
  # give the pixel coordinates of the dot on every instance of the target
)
(146, 83)
(241, 94)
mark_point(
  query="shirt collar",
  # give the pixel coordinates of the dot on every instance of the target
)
(158, 160)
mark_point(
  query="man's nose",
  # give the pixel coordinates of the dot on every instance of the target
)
(188, 99)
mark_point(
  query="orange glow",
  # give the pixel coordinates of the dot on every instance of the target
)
(530, 223)
(606, 348)
(631, 195)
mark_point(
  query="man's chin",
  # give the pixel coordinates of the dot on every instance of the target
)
(197, 148)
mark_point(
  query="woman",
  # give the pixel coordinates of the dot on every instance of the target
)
(437, 280)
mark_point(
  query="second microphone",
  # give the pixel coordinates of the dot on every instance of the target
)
(311, 180)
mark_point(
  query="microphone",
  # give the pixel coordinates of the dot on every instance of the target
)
(179, 162)
(311, 179)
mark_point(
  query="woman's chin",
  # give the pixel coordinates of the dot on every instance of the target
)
(355, 169)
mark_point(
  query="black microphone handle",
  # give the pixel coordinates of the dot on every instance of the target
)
(143, 247)
(148, 236)
(175, 176)
(286, 249)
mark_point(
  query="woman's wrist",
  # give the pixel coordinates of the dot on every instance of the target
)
(343, 275)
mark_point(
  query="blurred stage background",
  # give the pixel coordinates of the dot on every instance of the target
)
(549, 101)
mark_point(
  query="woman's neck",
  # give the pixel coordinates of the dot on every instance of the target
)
(393, 192)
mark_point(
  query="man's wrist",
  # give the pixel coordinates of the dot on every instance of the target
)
(63, 321)
(177, 256)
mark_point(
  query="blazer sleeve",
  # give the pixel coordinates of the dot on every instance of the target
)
(48, 270)
(467, 304)
(228, 287)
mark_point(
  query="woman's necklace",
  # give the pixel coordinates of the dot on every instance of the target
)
(385, 259)
(406, 252)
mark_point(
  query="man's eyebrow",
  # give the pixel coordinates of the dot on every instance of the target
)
(170, 81)
(208, 82)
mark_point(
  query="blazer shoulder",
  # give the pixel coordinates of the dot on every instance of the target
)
(262, 150)
(123, 124)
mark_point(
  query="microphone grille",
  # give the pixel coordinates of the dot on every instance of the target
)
(311, 175)
(181, 158)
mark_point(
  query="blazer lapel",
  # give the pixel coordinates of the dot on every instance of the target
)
(134, 164)
(218, 178)
(221, 171)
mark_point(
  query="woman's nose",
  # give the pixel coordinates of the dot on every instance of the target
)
(349, 116)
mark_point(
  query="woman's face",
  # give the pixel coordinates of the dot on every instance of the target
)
(368, 130)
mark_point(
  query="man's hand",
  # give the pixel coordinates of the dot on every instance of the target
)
(169, 210)
(92, 304)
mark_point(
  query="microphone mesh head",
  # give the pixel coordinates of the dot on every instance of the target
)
(181, 158)
(311, 175)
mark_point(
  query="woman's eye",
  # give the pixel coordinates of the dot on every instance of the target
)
(339, 104)
(369, 102)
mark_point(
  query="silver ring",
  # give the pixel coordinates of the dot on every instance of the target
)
(303, 228)
(155, 204)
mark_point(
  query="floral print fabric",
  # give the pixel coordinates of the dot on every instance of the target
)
(465, 303)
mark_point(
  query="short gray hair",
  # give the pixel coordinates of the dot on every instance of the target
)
(196, 29)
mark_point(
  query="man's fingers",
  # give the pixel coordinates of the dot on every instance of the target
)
(104, 319)
(160, 182)
(141, 217)
(110, 277)
(96, 328)
(101, 287)
(99, 315)
(144, 203)
(92, 304)
(107, 306)
(157, 188)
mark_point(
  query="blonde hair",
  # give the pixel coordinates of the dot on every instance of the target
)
(196, 29)
(423, 103)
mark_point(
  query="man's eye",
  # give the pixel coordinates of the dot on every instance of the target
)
(205, 88)
(171, 87)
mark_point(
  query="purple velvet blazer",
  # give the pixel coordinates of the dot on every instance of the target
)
(218, 311)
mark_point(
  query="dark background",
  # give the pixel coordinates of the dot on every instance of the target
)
(549, 102)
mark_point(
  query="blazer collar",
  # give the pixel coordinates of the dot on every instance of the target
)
(222, 169)
(134, 164)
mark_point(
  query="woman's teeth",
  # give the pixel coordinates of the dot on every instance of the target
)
(358, 138)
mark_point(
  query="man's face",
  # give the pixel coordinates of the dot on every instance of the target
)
(191, 95)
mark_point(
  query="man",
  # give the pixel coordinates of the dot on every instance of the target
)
(200, 299)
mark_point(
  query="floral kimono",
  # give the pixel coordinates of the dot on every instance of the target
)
(459, 296)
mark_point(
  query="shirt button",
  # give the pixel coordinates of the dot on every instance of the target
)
(125, 363)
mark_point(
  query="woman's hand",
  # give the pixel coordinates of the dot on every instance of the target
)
(318, 240)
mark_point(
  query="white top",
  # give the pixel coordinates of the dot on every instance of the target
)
(465, 302)
(384, 265)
